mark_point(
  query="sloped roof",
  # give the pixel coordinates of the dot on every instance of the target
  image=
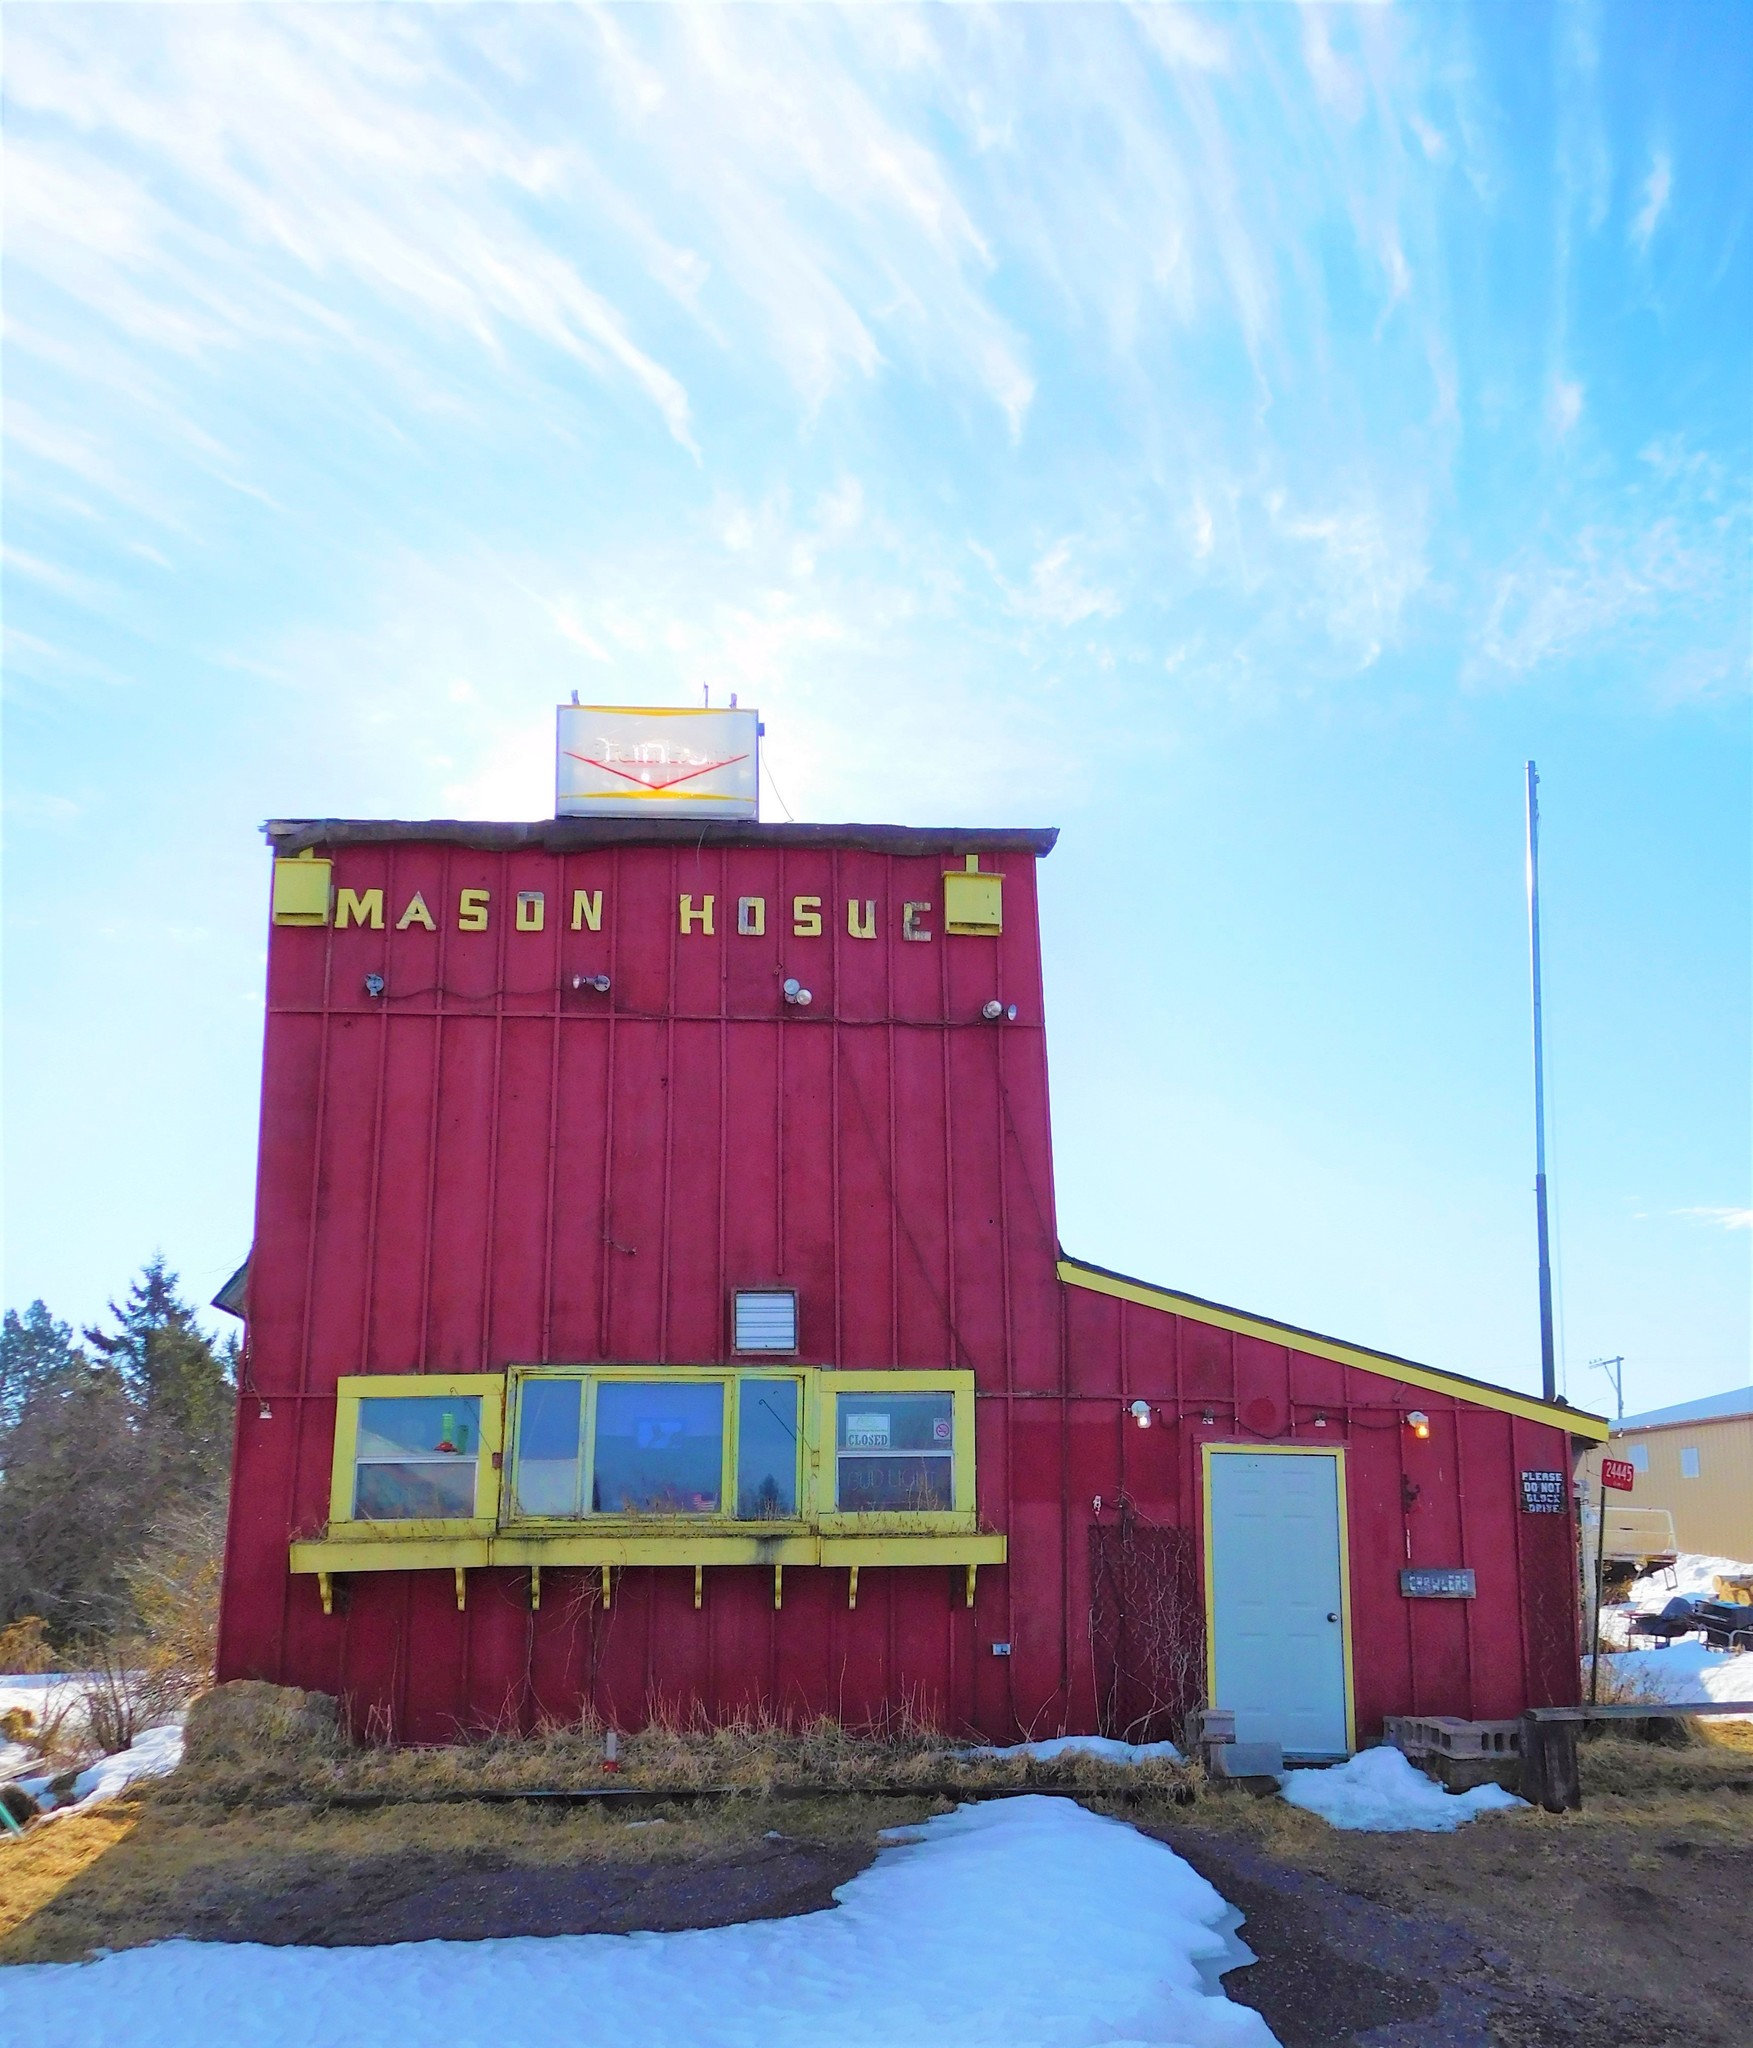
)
(1579, 1422)
(1712, 1408)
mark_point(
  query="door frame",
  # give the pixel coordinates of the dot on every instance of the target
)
(1208, 1451)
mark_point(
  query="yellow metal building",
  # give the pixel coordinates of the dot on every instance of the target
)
(1695, 1460)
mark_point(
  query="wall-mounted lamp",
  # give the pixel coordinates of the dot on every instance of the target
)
(374, 984)
(1207, 1417)
(264, 1413)
(600, 982)
(993, 1010)
(1140, 1413)
(1320, 1422)
(1419, 1424)
(795, 992)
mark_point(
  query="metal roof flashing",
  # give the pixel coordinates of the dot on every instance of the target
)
(578, 835)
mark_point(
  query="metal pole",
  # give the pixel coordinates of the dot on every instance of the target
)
(1600, 1573)
(1615, 1369)
(1548, 1369)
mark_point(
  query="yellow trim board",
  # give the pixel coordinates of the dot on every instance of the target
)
(1336, 1452)
(348, 1551)
(1578, 1421)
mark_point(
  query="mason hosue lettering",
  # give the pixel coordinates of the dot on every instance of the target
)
(697, 916)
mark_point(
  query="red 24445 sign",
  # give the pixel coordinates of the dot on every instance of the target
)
(1618, 1473)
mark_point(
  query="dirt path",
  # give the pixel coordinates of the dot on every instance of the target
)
(425, 1897)
(1498, 1936)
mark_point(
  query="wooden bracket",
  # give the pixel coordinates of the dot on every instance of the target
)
(699, 1583)
(608, 1590)
(535, 1588)
(852, 1587)
(326, 1587)
(972, 1569)
(778, 1586)
(462, 1589)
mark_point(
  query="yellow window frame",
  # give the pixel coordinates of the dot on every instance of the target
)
(961, 1519)
(488, 1387)
(730, 1377)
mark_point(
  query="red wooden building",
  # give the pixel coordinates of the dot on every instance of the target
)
(656, 1300)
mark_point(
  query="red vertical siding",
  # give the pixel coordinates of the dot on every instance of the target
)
(486, 1166)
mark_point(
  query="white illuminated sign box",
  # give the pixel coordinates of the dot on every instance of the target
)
(618, 761)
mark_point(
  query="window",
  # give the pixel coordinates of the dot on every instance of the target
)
(550, 1447)
(767, 1446)
(1637, 1456)
(625, 1443)
(1689, 1462)
(415, 1458)
(894, 1453)
(659, 1447)
(764, 1319)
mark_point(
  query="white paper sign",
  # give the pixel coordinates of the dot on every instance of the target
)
(867, 1432)
(619, 761)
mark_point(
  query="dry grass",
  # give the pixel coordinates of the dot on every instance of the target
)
(37, 1870)
(262, 1750)
(251, 1815)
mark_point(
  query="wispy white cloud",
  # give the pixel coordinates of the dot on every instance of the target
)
(1726, 1219)
(1658, 188)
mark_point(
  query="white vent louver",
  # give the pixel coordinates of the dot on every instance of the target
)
(764, 1319)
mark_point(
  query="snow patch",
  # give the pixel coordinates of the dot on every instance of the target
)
(1102, 1747)
(1018, 1923)
(1690, 1577)
(1685, 1670)
(1380, 1792)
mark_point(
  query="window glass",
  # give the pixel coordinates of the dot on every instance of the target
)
(1639, 1455)
(415, 1457)
(1689, 1463)
(766, 1450)
(659, 1447)
(550, 1415)
(894, 1453)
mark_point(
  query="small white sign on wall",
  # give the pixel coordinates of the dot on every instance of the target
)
(631, 761)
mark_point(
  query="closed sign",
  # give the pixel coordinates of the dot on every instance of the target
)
(1618, 1473)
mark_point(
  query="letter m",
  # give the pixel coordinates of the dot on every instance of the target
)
(359, 908)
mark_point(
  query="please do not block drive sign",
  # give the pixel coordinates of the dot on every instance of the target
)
(1619, 1473)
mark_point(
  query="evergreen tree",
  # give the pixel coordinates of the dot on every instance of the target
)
(182, 1389)
(34, 1348)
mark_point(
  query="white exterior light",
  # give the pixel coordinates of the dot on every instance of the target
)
(764, 1319)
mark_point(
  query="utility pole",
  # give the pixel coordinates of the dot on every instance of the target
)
(1614, 1368)
(1548, 1368)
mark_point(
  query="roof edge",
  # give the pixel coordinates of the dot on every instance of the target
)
(1484, 1393)
(575, 835)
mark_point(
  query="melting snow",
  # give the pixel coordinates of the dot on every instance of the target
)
(1102, 1747)
(1380, 1792)
(1685, 1670)
(1020, 1923)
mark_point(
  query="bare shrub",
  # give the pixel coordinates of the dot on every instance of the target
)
(175, 1588)
(1147, 1627)
(123, 1693)
(24, 1646)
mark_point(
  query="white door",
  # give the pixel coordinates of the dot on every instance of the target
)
(1277, 1615)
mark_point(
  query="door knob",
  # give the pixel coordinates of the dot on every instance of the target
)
(1332, 1617)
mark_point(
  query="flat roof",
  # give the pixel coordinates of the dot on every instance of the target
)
(1711, 1408)
(578, 835)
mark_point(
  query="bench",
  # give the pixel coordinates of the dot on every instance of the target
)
(1550, 1776)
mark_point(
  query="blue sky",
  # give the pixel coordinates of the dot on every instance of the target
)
(1241, 437)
